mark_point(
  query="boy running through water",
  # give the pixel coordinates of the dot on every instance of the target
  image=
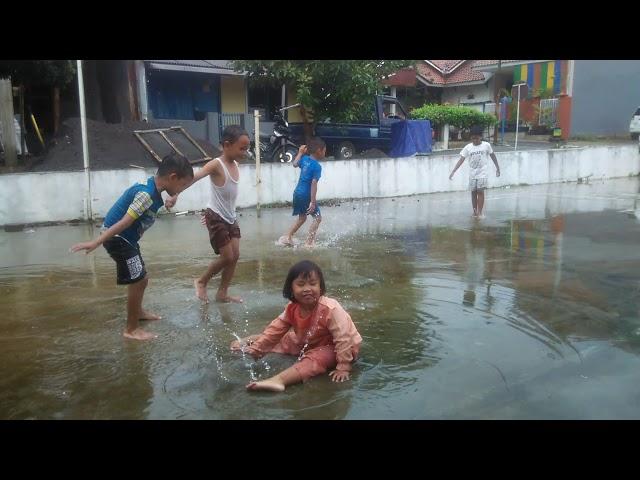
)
(220, 215)
(304, 195)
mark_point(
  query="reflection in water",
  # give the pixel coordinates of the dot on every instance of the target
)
(531, 313)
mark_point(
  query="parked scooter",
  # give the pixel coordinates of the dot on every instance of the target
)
(277, 147)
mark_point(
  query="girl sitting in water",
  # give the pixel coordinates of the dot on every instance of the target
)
(314, 327)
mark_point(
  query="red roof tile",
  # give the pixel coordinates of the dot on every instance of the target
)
(449, 72)
(445, 66)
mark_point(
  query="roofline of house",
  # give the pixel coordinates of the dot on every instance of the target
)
(457, 84)
(494, 67)
(428, 62)
(456, 67)
(442, 71)
(187, 68)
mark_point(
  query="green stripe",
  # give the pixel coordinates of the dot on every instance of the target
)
(544, 71)
(516, 74)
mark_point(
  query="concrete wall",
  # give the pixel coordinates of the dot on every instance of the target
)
(57, 196)
(605, 95)
(233, 94)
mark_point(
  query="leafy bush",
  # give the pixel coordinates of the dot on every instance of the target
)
(455, 115)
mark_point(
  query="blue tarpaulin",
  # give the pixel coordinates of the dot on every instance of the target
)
(409, 137)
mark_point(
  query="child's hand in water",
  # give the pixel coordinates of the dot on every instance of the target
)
(339, 375)
(88, 246)
(239, 346)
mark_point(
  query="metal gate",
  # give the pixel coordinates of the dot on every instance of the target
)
(548, 112)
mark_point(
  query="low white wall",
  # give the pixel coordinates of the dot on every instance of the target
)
(59, 196)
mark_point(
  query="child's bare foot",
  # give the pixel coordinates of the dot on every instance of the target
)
(269, 385)
(149, 316)
(228, 299)
(286, 241)
(139, 334)
(201, 291)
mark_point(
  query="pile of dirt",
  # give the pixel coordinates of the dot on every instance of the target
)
(111, 146)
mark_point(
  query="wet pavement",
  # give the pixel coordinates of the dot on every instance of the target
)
(530, 313)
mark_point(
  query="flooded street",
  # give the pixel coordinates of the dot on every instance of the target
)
(531, 313)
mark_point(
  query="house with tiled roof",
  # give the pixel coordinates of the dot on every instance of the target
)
(445, 81)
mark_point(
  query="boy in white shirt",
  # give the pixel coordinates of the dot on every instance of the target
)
(478, 152)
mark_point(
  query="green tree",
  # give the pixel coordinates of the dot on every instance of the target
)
(340, 90)
(53, 73)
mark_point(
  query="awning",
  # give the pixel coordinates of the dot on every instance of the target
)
(214, 67)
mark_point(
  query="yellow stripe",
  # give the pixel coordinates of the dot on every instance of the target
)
(550, 75)
(523, 73)
(132, 214)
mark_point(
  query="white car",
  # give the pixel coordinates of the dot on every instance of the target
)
(634, 126)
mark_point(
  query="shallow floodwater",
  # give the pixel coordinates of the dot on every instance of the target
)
(530, 313)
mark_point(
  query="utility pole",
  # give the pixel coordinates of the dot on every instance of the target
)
(495, 96)
(6, 119)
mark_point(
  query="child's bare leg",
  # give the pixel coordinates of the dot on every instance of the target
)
(480, 202)
(278, 382)
(474, 202)
(134, 311)
(313, 230)
(295, 227)
(200, 284)
(227, 272)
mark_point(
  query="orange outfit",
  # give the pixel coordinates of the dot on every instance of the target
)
(330, 336)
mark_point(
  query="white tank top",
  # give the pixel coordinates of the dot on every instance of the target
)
(223, 199)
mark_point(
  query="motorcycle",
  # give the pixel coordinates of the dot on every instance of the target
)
(277, 147)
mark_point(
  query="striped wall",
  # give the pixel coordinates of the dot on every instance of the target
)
(546, 76)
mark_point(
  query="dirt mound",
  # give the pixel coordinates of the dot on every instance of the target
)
(111, 146)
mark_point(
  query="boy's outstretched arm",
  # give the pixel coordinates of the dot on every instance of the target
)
(301, 151)
(495, 161)
(208, 169)
(115, 229)
(456, 167)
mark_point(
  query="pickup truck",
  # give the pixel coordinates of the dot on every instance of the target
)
(344, 140)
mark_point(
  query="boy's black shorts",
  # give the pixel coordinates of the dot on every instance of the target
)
(129, 263)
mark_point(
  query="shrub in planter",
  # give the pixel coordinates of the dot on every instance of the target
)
(454, 115)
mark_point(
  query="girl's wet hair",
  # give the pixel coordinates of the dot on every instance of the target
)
(232, 134)
(303, 269)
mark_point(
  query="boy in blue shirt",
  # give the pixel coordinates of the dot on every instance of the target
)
(304, 196)
(132, 214)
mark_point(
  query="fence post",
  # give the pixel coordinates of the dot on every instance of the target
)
(256, 117)
(6, 119)
(446, 137)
